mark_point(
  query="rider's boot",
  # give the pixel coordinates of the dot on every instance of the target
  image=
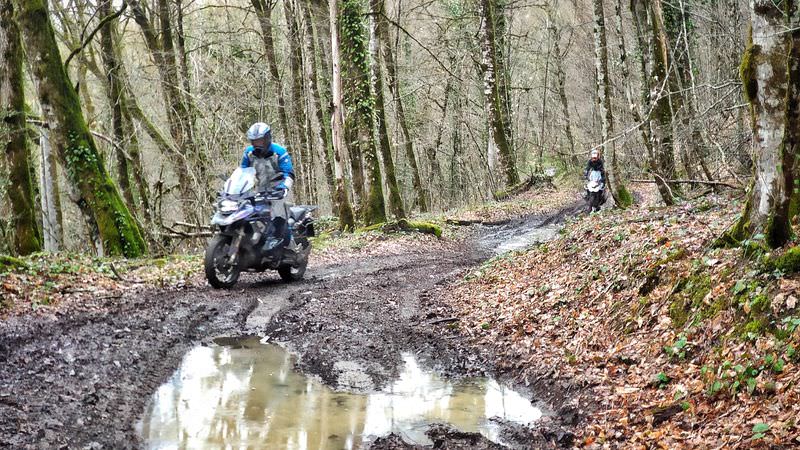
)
(277, 239)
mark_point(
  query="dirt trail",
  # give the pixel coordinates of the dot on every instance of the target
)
(83, 380)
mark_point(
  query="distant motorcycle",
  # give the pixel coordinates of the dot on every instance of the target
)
(244, 223)
(595, 190)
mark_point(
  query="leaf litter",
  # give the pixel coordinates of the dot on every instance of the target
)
(679, 345)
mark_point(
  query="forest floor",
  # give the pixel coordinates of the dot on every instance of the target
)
(85, 342)
(628, 328)
(673, 343)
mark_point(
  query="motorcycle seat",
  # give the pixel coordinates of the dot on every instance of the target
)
(297, 212)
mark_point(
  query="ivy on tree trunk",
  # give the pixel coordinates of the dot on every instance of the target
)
(115, 230)
(360, 107)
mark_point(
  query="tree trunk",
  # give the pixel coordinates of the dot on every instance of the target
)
(360, 105)
(128, 102)
(116, 232)
(384, 45)
(52, 220)
(298, 110)
(17, 152)
(264, 14)
(770, 73)
(654, 63)
(114, 92)
(561, 81)
(495, 91)
(326, 151)
(395, 199)
(160, 46)
(346, 217)
(604, 101)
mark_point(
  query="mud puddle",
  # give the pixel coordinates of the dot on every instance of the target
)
(518, 235)
(244, 393)
(525, 232)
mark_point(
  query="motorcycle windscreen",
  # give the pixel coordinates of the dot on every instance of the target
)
(595, 175)
(241, 181)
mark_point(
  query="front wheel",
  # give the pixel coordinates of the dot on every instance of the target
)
(220, 273)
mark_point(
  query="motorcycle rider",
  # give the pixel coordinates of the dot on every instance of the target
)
(275, 174)
(595, 163)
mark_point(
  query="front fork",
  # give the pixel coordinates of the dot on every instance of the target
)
(233, 249)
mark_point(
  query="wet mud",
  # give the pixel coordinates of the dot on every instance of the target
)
(85, 379)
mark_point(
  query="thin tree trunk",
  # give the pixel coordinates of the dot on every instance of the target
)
(395, 199)
(500, 145)
(346, 217)
(653, 66)
(50, 196)
(114, 93)
(264, 13)
(561, 79)
(394, 87)
(115, 230)
(326, 151)
(604, 100)
(298, 110)
(160, 50)
(17, 152)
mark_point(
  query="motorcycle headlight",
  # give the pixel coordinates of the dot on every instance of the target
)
(228, 206)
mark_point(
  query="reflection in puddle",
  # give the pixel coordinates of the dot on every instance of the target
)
(248, 396)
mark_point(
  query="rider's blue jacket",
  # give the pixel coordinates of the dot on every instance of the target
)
(284, 160)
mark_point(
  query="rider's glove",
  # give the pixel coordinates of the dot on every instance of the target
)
(288, 182)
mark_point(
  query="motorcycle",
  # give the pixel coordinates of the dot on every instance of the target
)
(243, 223)
(595, 191)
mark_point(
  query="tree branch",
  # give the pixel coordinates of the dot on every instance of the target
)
(433, 55)
(709, 183)
(94, 32)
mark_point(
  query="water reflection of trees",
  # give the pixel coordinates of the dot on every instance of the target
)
(240, 397)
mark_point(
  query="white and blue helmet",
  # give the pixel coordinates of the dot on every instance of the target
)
(258, 130)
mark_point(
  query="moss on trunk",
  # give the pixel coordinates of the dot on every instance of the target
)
(13, 137)
(116, 232)
(770, 73)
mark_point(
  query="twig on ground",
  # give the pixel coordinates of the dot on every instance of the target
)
(709, 183)
(445, 320)
(116, 273)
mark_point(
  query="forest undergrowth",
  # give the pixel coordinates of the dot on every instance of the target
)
(681, 344)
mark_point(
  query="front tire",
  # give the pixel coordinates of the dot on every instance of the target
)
(219, 273)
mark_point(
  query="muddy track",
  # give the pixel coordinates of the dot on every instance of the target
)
(83, 380)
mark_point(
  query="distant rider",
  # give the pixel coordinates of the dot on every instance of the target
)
(275, 174)
(595, 163)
